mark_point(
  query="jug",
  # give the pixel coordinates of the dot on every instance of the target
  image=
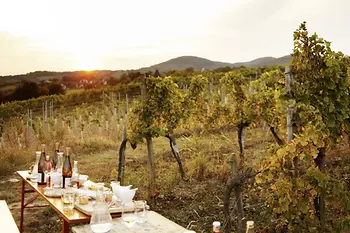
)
(101, 220)
(34, 175)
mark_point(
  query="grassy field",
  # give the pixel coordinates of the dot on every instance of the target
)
(195, 203)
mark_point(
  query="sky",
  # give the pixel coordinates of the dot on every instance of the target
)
(66, 35)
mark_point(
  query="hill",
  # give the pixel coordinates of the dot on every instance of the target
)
(181, 63)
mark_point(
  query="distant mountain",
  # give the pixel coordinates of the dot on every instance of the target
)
(199, 63)
(181, 63)
(266, 61)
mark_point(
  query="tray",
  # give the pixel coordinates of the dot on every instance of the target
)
(88, 208)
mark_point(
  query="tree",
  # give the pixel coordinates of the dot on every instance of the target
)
(267, 100)
(321, 82)
(56, 89)
(296, 192)
(26, 90)
(156, 115)
(157, 74)
(239, 113)
(234, 86)
(112, 81)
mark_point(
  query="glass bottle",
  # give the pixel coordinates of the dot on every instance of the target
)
(42, 167)
(101, 220)
(67, 169)
(56, 175)
(48, 170)
(59, 164)
(75, 174)
(250, 227)
(48, 163)
(216, 227)
(55, 155)
(34, 176)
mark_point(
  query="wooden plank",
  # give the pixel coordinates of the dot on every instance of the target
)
(7, 222)
(156, 223)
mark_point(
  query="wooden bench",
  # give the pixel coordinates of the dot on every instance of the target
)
(7, 223)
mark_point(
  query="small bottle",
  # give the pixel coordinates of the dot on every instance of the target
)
(42, 167)
(48, 163)
(216, 227)
(250, 227)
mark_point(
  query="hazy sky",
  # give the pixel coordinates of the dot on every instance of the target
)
(130, 34)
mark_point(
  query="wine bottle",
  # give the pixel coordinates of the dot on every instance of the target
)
(42, 166)
(55, 155)
(66, 170)
(250, 227)
(216, 227)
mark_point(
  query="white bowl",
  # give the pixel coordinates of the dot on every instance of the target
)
(116, 186)
(125, 195)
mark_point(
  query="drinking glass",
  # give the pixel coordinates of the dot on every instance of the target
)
(141, 211)
(128, 214)
(48, 178)
(68, 197)
(108, 196)
(56, 179)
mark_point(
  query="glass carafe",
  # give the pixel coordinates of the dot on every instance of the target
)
(34, 175)
(101, 220)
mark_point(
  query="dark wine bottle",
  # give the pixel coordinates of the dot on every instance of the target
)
(67, 170)
(55, 156)
(42, 167)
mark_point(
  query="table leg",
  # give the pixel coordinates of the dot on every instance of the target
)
(65, 226)
(22, 207)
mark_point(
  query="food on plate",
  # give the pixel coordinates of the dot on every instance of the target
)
(83, 200)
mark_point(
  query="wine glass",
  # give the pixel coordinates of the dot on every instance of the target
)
(128, 214)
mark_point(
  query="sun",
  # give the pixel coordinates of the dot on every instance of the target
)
(87, 63)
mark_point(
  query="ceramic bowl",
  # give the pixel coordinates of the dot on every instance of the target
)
(116, 186)
(125, 195)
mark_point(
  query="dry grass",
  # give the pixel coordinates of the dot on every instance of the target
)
(195, 203)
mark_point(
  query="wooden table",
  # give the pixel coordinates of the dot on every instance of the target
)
(71, 217)
(7, 222)
(156, 223)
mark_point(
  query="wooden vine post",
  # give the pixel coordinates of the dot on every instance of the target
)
(291, 125)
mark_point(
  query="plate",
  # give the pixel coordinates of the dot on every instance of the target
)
(53, 192)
